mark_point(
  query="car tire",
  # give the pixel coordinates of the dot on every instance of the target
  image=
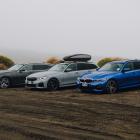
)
(5, 83)
(53, 84)
(111, 87)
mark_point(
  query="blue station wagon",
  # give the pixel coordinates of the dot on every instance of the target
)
(112, 77)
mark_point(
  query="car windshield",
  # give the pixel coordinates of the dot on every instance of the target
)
(16, 67)
(59, 67)
(112, 67)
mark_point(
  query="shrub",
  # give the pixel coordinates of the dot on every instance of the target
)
(103, 61)
(53, 60)
(6, 61)
(3, 67)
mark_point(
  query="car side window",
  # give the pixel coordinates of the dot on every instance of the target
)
(71, 67)
(40, 67)
(26, 68)
(136, 65)
(82, 66)
(129, 66)
(91, 66)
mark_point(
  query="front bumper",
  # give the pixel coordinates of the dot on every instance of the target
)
(36, 84)
(98, 87)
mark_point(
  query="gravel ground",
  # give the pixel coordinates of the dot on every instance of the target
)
(68, 114)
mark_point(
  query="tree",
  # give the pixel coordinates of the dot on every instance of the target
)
(6, 61)
(108, 59)
(53, 60)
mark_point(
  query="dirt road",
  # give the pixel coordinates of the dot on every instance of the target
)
(68, 115)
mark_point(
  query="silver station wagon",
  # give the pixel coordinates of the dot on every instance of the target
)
(60, 75)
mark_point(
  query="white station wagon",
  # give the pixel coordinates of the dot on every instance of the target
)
(61, 75)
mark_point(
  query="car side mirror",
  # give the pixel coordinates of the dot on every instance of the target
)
(68, 70)
(22, 70)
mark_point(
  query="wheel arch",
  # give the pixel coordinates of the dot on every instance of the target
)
(55, 79)
(8, 78)
(114, 79)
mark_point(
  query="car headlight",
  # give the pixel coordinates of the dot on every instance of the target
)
(78, 79)
(100, 80)
(43, 78)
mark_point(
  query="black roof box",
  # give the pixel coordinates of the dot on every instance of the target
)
(78, 57)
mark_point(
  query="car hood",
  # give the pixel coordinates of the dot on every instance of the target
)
(100, 74)
(43, 74)
(4, 71)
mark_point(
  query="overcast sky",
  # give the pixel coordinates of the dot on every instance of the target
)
(31, 30)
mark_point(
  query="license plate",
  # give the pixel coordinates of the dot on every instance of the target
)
(84, 84)
(30, 82)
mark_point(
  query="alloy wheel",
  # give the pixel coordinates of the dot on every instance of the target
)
(111, 87)
(53, 84)
(4, 83)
